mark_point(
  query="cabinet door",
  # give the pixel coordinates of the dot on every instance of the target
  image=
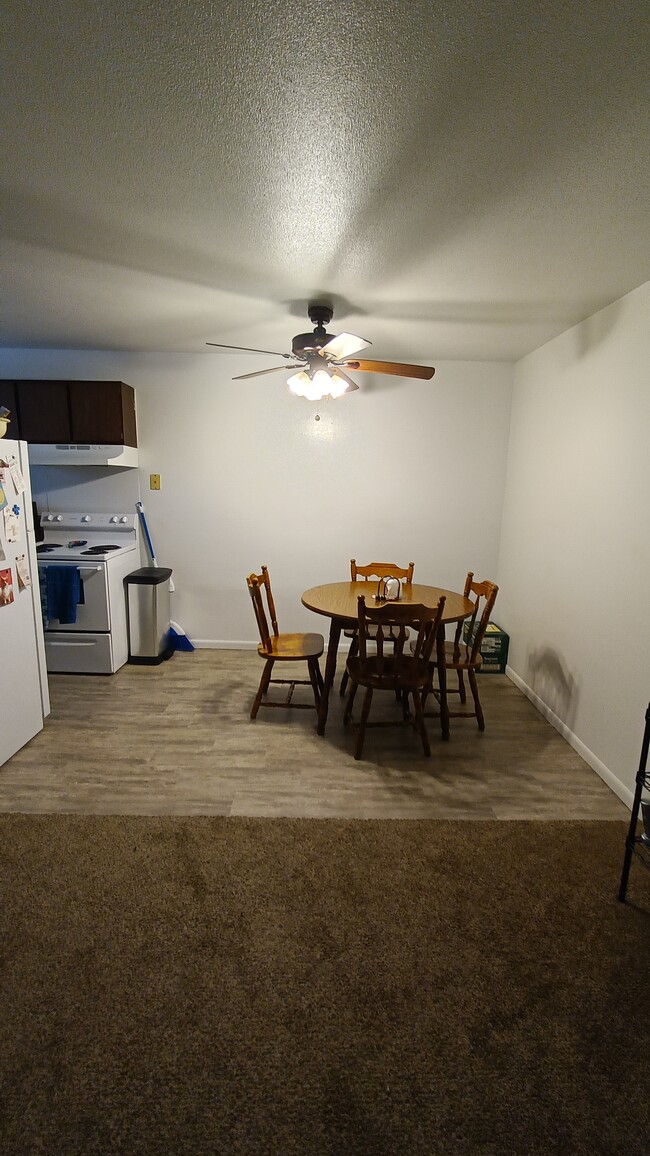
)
(8, 399)
(43, 411)
(102, 412)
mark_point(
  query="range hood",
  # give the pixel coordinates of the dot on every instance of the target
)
(82, 455)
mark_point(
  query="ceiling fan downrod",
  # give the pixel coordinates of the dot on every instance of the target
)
(320, 316)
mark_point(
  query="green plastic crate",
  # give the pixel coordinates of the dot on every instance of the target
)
(494, 649)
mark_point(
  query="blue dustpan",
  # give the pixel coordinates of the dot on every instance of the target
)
(178, 639)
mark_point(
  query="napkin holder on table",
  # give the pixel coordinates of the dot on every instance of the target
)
(388, 590)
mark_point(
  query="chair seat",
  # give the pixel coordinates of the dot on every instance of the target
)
(457, 657)
(286, 647)
(405, 677)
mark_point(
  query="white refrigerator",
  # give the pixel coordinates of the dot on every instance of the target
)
(24, 696)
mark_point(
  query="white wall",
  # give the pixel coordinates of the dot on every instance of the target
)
(92, 488)
(398, 470)
(575, 545)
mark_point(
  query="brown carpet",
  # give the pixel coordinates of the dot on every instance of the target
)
(217, 985)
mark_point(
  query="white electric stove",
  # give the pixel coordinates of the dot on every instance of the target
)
(103, 549)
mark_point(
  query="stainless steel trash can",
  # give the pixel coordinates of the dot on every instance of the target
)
(149, 614)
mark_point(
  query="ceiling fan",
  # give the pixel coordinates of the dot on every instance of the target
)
(321, 360)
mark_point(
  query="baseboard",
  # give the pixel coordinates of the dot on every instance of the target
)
(222, 644)
(228, 644)
(624, 793)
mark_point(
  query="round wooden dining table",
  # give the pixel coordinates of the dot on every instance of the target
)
(338, 601)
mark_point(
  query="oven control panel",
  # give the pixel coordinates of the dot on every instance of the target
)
(97, 522)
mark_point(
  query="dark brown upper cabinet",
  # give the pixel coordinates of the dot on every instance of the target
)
(43, 411)
(102, 411)
(71, 412)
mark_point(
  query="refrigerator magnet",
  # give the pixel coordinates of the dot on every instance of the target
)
(6, 587)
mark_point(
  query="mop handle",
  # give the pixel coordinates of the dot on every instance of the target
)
(143, 522)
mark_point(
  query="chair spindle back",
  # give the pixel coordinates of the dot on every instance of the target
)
(483, 595)
(381, 570)
(391, 623)
(256, 583)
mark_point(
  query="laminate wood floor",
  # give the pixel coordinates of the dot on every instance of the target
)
(177, 739)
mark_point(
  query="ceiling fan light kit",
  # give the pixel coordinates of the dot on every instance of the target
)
(320, 383)
(322, 359)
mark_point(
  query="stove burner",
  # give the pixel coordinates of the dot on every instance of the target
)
(101, 549)
(45, 547)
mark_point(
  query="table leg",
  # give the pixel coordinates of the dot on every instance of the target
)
(330, 673)
(442, 681)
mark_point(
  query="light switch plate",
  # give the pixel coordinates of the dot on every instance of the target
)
(154, 481)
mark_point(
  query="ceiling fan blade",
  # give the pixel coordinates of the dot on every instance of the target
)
(398, 368)
(343, 346)
(245, 349)
(261, 372)
(340, 373)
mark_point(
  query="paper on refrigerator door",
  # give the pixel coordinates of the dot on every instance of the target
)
(17, 477)
(12, 531)
(24, 577)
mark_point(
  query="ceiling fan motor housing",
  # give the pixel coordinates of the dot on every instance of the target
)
(304, 343)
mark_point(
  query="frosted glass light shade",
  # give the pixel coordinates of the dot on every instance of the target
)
(337, 385)
(315, 385)
(298, 383)
(320, 385)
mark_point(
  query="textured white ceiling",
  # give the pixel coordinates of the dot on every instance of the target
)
(460, 180)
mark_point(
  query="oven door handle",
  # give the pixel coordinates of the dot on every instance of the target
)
(88, 570)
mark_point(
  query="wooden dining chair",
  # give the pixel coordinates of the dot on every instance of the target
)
(275, 647)
(465, 656)
(373, 571)
(392, 665)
